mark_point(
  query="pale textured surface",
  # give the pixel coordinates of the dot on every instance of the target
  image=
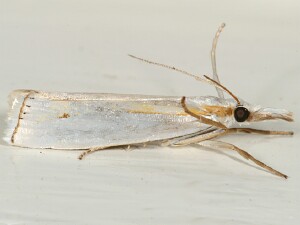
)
(82, 46)
(83, 121)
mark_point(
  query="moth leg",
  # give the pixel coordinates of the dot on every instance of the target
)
(257, 131)
(194, 139)
(89, 151)
(130, 147)
(223, 145)
(186, 140)
(201, 118)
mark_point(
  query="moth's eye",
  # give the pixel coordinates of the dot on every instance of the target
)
(241, 114)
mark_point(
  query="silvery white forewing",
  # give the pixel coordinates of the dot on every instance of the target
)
(82, 121)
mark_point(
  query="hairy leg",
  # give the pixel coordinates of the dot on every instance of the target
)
(89, 151)
(223, 145)
(257, 131)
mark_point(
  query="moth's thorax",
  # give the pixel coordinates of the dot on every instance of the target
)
(213, 108)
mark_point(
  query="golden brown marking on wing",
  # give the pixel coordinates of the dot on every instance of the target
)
(206, 110)
(149, 109)
(64, 116)
(159, 113)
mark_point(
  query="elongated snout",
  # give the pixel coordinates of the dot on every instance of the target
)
(270, 114)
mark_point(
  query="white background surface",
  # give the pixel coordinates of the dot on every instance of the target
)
(83, 46)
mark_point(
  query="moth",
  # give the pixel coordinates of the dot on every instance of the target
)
(92, 122)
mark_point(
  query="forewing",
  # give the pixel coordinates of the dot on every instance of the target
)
(81, 121)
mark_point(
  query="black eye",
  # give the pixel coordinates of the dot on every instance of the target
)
(241, 114)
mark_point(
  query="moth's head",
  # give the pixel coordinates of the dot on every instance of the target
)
(247, 113)
(243, 112)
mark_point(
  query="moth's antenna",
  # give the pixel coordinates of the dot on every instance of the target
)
(224, 89)
(206, 80)
(213, 58)
(170, 67)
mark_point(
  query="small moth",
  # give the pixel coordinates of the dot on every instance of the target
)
(92, 122)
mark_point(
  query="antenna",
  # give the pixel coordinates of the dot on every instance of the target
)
(213, 58)
(206, 80)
